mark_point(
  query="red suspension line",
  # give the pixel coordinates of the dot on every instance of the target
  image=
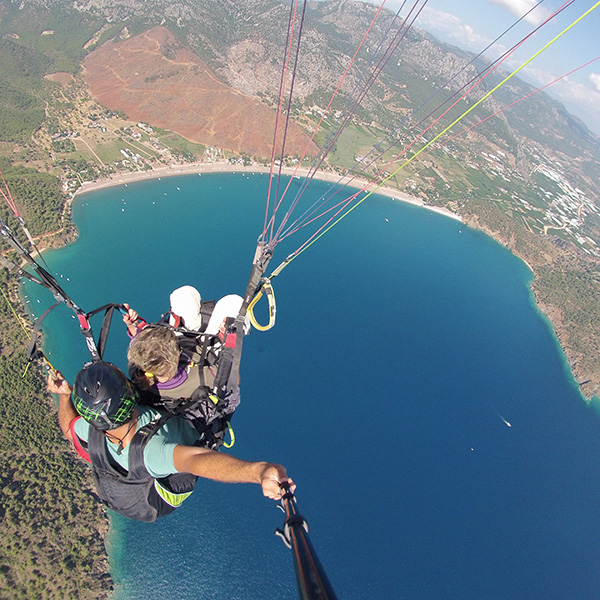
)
(381, 172)
(287, 54)
(362, 93)
(326, 111)
(8, 196)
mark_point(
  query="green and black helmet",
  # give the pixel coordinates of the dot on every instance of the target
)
(103, 396)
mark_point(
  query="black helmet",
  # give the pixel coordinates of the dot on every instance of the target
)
(103, 396)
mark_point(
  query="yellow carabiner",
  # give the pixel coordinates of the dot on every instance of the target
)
(231, 436)
(49, 367)
(266, 288)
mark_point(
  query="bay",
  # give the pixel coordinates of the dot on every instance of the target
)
(405, 342)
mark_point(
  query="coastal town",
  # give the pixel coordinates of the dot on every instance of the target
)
(144, 152)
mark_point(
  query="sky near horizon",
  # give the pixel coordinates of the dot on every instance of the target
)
(474, 24)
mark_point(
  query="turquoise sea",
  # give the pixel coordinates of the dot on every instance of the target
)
(405, 342)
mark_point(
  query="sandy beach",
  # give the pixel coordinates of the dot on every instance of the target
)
(224, 167)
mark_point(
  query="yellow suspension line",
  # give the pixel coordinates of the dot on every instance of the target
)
(14, 311)
(48, 364)
(545, 47)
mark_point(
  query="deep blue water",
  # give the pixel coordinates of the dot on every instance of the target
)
(400, 348)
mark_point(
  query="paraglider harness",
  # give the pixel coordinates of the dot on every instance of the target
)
(133, 493)
(211, 409)
(208, 405)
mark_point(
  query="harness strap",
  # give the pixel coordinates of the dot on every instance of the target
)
(108, 314)
(13, 268)
(31, 348)
(206, 310)
(233, 344)
(99, 455)
(234, 374)
(228, 374)
(77, 442)
(137, 468)
(207, 349)
(235, 340)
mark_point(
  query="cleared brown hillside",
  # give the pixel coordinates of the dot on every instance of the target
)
(151, 78)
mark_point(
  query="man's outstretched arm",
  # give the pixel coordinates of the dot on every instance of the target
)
(226, 468)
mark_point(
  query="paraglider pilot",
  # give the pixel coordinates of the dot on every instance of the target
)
(144, 460)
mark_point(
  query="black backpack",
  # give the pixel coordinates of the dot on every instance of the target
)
(135, 493)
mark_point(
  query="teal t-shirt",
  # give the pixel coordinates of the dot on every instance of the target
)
(158, 454)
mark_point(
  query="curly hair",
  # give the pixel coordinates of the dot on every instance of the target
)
(155, 352)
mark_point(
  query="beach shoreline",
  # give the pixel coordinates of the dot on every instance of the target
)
(225, 167)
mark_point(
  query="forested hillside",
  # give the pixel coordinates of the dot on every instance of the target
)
(51, 523)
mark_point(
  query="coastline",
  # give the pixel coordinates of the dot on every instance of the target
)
(225, 167)
(589, 392)
(121, 589)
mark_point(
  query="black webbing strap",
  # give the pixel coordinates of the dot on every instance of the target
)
(228, 375)
(236, 359)
(20, 272)
(137, 468)
(207, 353)
(32, 347)
(44, 278)
(106, 321)
(100, 456)
(206, 310)
(97, 351)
